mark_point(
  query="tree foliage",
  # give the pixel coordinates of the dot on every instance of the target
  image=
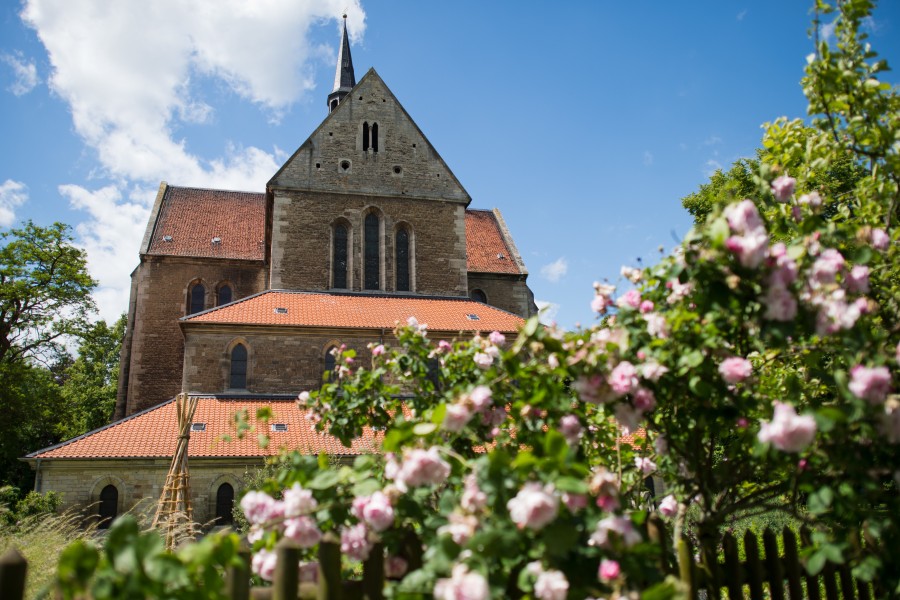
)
(45, 291)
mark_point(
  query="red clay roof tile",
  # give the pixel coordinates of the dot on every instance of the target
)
(311, 309)
(191, 218)
(485, 245)
(153, 433)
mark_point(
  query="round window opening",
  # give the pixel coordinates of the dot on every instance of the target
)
(345, 165)
(397, 169)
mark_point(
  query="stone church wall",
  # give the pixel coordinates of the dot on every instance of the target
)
(507, 292)
(153, 355)
(302, 241)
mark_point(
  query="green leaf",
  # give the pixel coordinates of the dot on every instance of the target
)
(560, 537)
(366, 487)
(324, 480)
(820, 500)
(423, 429)
(572, 485)
(816, 563)
(555, 446)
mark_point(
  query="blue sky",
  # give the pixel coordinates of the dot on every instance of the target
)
(584, 122)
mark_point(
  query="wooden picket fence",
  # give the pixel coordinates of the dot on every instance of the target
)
(770, 574)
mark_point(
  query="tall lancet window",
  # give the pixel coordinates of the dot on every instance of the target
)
(402, 249)
(374, 137)
(339, 257)
(372, 259)
(238, 379)
(365, 136)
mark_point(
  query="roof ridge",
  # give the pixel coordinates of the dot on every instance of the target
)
(207, 189)
(99, 429)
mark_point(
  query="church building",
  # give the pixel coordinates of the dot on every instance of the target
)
(239, 298)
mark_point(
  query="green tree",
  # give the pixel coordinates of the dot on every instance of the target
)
(45, 291)
(91, 382)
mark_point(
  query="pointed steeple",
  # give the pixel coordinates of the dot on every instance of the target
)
(344, 78)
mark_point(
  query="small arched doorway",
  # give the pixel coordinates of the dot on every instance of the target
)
(225, 504)
(109, 505)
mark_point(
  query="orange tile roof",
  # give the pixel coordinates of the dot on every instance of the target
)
(317, 309)
(190, 218)
(485, 243)
(154, 432)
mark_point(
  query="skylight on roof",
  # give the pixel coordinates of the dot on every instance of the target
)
(198, 426)
(280, 310)
(473, 317)
(167, 238)
(279, 426)
(500, 256)
(217, 240)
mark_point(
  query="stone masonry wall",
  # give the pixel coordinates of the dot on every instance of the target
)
(157, 346)
(302, 241)
(510, 293)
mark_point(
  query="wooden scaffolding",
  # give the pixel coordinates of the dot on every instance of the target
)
(174, 512)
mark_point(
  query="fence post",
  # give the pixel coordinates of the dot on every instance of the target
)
(13, 567)
(792, 564)
(773, 565)
(329, 570)
(373, 573)
(733, 572)
(237, 579)
(754, 568)
(287, 571)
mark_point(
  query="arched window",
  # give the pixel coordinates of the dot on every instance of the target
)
(478, 296)
(109, 505)
(339, 258)
(224, 296)
(365, 136)
(402, 249)
(224, 504)
(374, 137)
(196, 298)
(238, 379)
(372, 258)
(330, 363)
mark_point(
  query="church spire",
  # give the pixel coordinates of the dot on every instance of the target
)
(344, 79)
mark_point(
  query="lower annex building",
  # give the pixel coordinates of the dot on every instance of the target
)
(239, 298)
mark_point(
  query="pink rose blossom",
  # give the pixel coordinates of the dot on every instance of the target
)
(302, 530)
(678, 290)
(600, 303)
(646, 306)
(483, 360)
(872, 384)
(813, 199)
(259, 507)
(395, 567)
(460, 527)
(668, 506)
(750, 248)
(456, 417)
(303, 398)
(735, 369)
(593, 389)
(827, 266)
(609, 570)
(857, 279)
(571, 429)
(355, 542)
(628, 418)
(264, 563)
(644, 465)
(378, 350)
(534, 506)
(421, 467)
(473, 499)
(644, 399)
(630, 299)
(880, 239)
(743, 217)
(298, 501)
(652, 370)
(421, 328)
(657, 325)
(462, 585)
(620, 527)
(631, 274)
(497, 338)
(551, 585)
(780, 304)
(375, 510)
(480, 397)
(574, 502)
(783, 188)
(836, 314)
(623, 378)
(788, 431)
(444, 346)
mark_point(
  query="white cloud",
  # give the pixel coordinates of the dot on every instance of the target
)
(712, 140)
(125, 69)
(547, 311)
(111, 236)
(711, 166)
(12, 195)
(648, 158)
(25, 73)
(128, 71)
(741, 15)
(826, 31)
(554, 271)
